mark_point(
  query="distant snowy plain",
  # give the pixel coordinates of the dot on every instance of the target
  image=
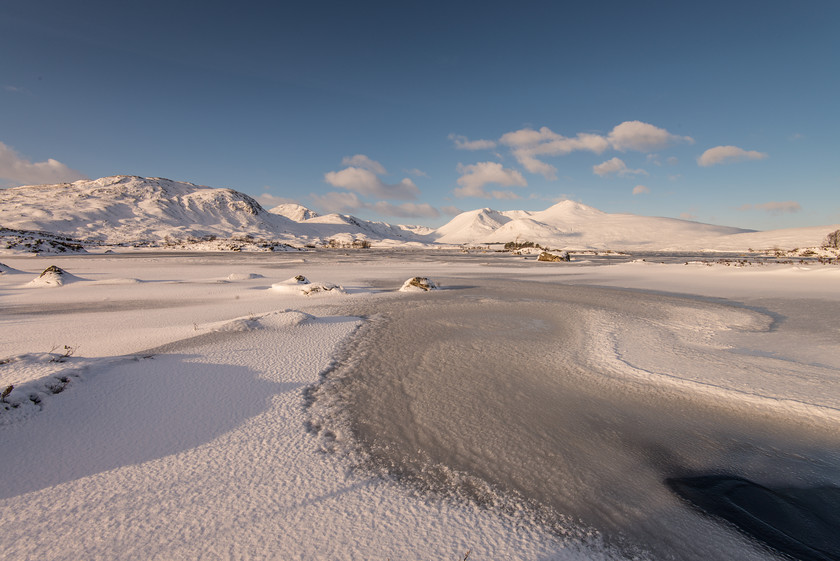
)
(173, 406)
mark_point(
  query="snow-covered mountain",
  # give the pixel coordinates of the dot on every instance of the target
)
(573, 225)
(293, 211)
(476, 226)
(128, 209)
(135, 210)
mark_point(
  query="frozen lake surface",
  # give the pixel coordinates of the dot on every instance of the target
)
(493, 387)
(607, 408)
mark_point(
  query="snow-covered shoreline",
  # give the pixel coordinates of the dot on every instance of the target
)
(183, 436)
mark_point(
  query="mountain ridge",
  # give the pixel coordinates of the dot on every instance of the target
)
(135, 210)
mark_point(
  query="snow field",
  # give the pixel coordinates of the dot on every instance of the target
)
(198, 448)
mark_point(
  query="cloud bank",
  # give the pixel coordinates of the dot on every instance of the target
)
(362, 176)
(17, 169)
(528, 146)
(350, 202)
(774, 207)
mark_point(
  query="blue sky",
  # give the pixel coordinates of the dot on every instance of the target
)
(722, 112)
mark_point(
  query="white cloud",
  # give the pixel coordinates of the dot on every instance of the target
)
(362, 161)
(728, 154)
(475, 176)
(642, 137)
(640, 190)
(267, 200)
(463, 143)
(365, 181)
(774, 207)
(616, 166)
(350, 202)
(688, 216)
(527, 144)
(19, 170)
(337, 202)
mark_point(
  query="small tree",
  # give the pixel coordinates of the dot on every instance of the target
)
(833, 240)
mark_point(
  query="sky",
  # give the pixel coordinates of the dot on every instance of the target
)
(410, 112)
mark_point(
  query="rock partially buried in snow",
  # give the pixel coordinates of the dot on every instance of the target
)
(301, 285)
(418, 284)
(546, 256)
(52, 277)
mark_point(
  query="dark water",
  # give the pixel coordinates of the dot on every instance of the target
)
(490, 390)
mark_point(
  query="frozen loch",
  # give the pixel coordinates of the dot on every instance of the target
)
(172, 407)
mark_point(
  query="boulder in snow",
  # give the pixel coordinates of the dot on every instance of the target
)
(546, 256)
(301, 285)
(418, 284)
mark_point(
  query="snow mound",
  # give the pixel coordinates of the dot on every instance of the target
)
(418, 284)
(301, 285)
(52, 277)
(243, 276)
(116, 281)
(5, 270)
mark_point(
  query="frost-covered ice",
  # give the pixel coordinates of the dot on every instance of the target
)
(182, 428)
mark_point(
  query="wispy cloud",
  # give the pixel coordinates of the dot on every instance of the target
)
(406, 210)
(640, 190)
(350, 202)
(728, 154)
(616, 166)
(656, 160)
(416, 172)
(15, 168)
(475, 176)
(362, 176)
(774, 207)
(463, 143)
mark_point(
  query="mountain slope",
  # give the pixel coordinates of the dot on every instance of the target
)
(475, 225)
(128, 209)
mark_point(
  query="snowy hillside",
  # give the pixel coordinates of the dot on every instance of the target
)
(127, 209)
